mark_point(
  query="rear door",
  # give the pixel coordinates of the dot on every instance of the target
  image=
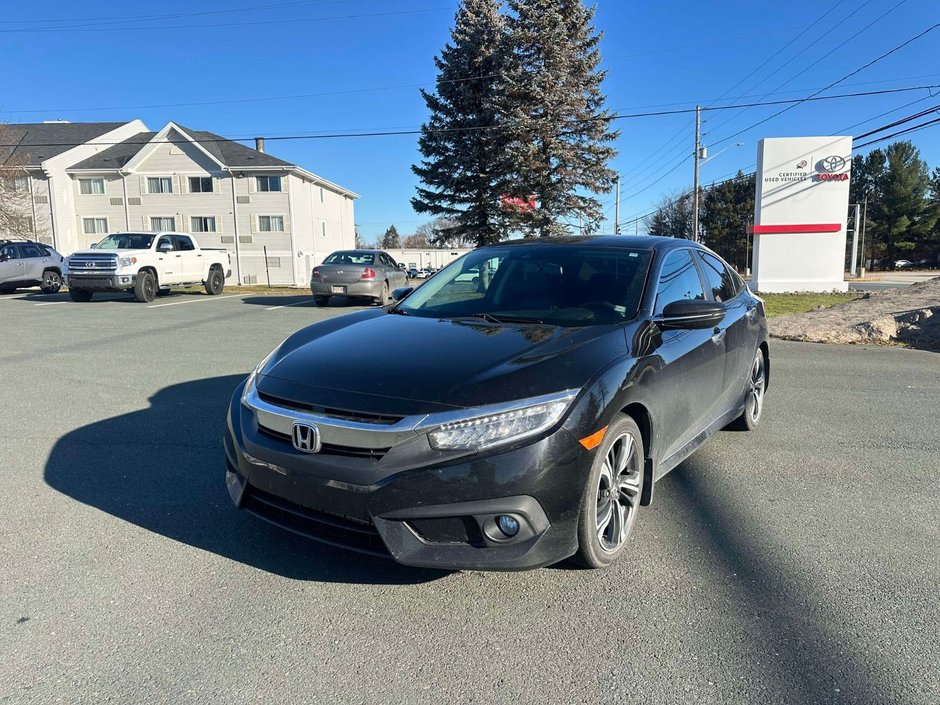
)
(396, 277)
(722, 287)
(190, 259)
(169, 264)
(33, 257)
(692, 376)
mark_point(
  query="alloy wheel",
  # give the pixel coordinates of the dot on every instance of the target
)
(618, 492)
(756, 385)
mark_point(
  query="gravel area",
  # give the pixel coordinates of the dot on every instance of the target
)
(908, 316)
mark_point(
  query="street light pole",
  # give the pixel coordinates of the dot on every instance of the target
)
(617, 209)
(697, 156)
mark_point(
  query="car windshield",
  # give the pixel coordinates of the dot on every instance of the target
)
(565, 285)
(350, 258)
(126, 241)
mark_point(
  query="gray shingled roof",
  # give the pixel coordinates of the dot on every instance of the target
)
(36, 142)
(231, 154)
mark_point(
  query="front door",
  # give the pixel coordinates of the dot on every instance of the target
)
(692, 375)
(12, 266)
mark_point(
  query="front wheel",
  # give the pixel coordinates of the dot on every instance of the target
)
(753, 396)
(145, 287)
(51, 282)
(215, 283)
(612, 495)
(81, 295)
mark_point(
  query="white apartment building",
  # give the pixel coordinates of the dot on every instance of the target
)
(85, 180)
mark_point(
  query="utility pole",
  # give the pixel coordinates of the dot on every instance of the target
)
(697, 155)
(617, 209)
(855, 224)
(864, 228)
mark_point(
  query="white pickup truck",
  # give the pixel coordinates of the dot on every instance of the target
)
(147, 264)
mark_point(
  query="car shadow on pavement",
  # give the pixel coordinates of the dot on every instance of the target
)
(162, 468)
(812, 662)
(304, 300)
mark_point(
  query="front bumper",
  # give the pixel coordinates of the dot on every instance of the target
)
(371, 288)
(440, 514)
(100, 282)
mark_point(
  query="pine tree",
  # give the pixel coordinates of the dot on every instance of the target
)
(558, 131)
(727, 210)
(391, 239)
(464, 166)
(673, 217)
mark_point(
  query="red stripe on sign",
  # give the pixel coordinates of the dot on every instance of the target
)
(804, 228)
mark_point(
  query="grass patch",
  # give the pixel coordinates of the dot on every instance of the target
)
(787, 304)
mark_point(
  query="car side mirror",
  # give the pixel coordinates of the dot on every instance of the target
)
(399, 294)
(691, 315)
(164, 247)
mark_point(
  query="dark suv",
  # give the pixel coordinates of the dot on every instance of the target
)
(25, 263)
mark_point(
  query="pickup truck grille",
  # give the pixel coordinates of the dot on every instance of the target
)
(92, 264)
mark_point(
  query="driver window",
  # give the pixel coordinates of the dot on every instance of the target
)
(165, 243)
(8, 252)
(678, 280)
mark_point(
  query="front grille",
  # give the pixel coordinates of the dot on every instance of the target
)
(333, 413)
(92, 263)
(333, 529)
(330, 448)
(88, 280)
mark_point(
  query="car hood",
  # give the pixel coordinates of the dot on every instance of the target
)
(383, 363)
(122, 253)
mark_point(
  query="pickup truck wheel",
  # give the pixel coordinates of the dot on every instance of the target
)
(145, 288)
(81, 295)
(51, 282)
(215, 283)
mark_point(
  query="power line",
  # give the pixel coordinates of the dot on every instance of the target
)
(896, 123)
(915, 128)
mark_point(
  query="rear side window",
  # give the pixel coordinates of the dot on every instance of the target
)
(183, 243)
(720, 281)
(678, 280)
(30, 251)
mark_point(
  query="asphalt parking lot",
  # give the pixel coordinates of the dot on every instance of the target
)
(795, 564)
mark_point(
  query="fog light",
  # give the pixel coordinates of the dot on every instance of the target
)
(508, 525)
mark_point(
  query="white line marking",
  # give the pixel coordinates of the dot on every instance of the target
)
(297, 303)
(195, 301)
(51, 303)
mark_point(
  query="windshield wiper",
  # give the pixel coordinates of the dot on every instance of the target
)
(505, 319)
(398, 311)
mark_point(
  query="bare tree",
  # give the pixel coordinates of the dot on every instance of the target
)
(418, 241)
(443, 233)
(16, 213)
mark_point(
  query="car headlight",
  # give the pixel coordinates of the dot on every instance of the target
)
(126, 261)
(253, 377)
(523, 419)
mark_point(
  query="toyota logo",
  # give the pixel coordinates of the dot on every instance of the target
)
(306, 437)
(832, 163)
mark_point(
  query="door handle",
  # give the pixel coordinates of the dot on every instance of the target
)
(179, 255)
(719, 335)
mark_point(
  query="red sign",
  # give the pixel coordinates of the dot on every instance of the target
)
(832, 177)
(518, 203)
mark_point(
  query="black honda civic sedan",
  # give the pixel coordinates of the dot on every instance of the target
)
(513, 411)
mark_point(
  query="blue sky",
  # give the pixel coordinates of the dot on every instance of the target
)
(314, 66)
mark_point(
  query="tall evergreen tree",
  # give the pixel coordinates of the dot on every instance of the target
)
(559, 133)
(391, 240)
(464, 166)
(673, 217)
(727, 210)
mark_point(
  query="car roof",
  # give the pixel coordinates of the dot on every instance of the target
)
(643, 242)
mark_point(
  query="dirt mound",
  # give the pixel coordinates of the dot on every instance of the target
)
(910, 316)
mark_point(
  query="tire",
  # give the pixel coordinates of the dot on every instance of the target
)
(321, 300)
(80, 295)
(753, 396)
(145, 287)
(383, 299)
(51, 282)
(606, 519)
(215, 283)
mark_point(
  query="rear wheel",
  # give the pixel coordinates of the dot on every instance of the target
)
(215, 283)
(321, 300)
(753, 395)
(145, 287)
(612, 496)
(383, 299)
(51, 282)
(81, 295)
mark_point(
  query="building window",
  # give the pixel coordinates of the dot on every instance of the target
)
(21, 183)
(268, 183)
(321, 195)
(160, 184)
(271, 223)
(91, 187)
(95, 226)
(202, 224)
(200, 184)
(323, 227)
(162, 223)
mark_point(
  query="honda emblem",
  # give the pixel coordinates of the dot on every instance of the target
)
(306, 437)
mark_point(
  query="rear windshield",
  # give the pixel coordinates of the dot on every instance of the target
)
(126, 241)
(565, 285)
(350, 258)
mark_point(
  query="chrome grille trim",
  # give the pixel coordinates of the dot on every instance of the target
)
(92, 264)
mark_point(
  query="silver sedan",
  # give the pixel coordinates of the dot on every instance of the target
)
(371, 274)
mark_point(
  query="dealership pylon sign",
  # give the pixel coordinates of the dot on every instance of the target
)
(800, 213)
